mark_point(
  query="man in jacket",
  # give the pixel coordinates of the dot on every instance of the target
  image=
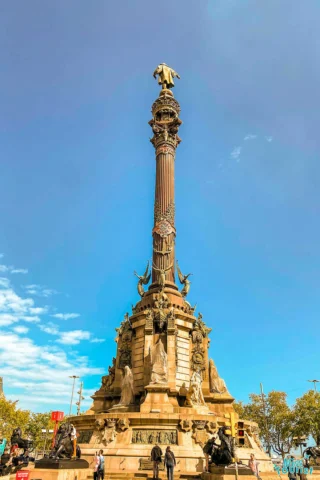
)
(156, 454)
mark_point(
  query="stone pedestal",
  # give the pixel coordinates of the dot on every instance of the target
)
(157, 400)
(58, 474)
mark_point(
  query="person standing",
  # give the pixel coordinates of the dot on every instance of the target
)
(73, 436)
(254, 465)
(101, 466)
(156, 454)
(169, 462)
(96, 463)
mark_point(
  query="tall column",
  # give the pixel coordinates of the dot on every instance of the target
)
(165, 125)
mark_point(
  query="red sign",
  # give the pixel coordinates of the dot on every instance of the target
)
(22, 475)
(57, 416)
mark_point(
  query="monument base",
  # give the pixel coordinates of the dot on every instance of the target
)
(57, 474)
(228, 473)
(61, 463)
(157, 400)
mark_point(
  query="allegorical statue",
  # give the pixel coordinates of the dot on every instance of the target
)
(143, 280)
(217, 384)
(195, 396)
(166, 76)
(159, 363)
(184, 281)
(127, 390)
(162, 275)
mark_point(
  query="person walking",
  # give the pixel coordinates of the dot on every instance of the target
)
(100, 475)
(169, 462)
(292, 475)
(254, 465)
(156, 458)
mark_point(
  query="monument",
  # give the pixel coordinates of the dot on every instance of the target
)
(161, 386)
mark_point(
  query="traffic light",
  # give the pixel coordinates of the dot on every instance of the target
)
(241, 433)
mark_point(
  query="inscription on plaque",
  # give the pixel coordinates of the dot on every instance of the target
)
(162, 437)
(84, 436)
(146, 464)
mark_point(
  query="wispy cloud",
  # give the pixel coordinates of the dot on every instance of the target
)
(1, 255)
(11, 269)
(97, 340)
(74, 337)
(50, 328)
(19, 270)
(249, 136)
(20, 329)
(40, 290)
(269, 139)
(235, 154)
(65, 316)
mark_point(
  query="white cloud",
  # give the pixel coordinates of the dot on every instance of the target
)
(1, 255)
(11, 269)
(249, 137)
(40, 290)
(50, 328)
(4, 282)
(38, 370)
(97, 340)
(236, 153)
(65, 316)
(73, 337)
(269, 139)
(42, 378)
(38, 310)
(20, 329)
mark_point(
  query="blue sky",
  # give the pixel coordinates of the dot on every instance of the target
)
(77, 184)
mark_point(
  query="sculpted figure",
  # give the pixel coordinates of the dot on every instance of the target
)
(127, 391)
(195, 396)
(184, 281)
(143, 280)
(217, 384)
(166, 75)
(162, 275)
(159, 361)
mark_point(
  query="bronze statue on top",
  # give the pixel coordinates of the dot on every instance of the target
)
(166, 76)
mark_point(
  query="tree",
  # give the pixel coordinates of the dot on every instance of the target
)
(275, 419)
(37, 422)
(30, 423)
(11, 417)
(307, 411)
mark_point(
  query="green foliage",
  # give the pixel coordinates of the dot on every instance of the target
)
(30, 423)
(11, 417)
(307, 412)
(276, 420)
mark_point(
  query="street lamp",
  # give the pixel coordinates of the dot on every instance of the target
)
(314, 383)
(45, 431)
(74, 379)
(78, 403)
(300, 442)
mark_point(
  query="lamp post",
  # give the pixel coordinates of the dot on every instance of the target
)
(74, 380)
(314, 384)
(300, 442)
(45, 431)
(78, 403)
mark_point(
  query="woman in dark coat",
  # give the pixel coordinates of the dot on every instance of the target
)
(169, 462)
